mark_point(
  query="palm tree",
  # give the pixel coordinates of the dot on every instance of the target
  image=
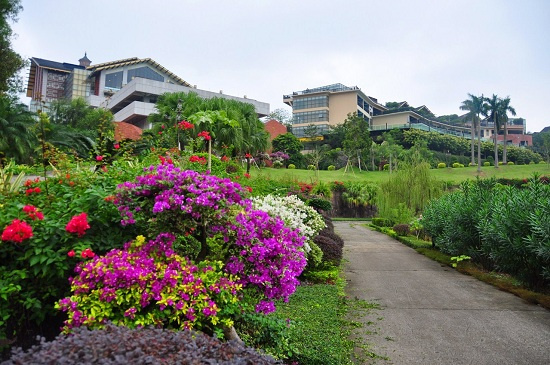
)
(504, 108)
(474, 106)
(17, 139)
(491, 109)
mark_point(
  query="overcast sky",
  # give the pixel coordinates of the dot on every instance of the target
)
(427, 52)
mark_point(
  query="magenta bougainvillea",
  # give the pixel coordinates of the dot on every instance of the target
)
(17, 231)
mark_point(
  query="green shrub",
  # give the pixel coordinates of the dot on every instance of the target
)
(277, 164)
(386, 167)
(441, 165)
(320, 204)
(471, 164)
(311, 167)
(531, 162)
(542, 162)
(291, 166)
(509, 163)
(382, 222)
(322, 189)
(331, 168)
(456, 165)
(402, 229)
(486, 163)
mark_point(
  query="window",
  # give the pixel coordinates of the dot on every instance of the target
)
(311, 102)
(144, 72)
(114, 80)
(310, 117)
(300, 131)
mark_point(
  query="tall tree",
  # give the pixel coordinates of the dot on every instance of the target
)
(357, 139)
(10, 61)
(16, 130)
(491, 109)
(474, 106)
(504, 109)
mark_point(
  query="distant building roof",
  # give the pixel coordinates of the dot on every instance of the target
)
(133, 61)
(127, 131)
(53, 65)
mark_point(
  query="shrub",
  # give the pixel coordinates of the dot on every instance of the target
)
(382, 222)
(531, 162)
(325, 232)
(277, 164)
(486, 163)
(311, 167)
(292, 166)
(441, 165)
(386, 167)
(455, 165)
(117, 345)
(320, 204)
(542, 162)
(322, 189)
(332, 251)
(331, 168)
(402, 229)
(471, 164)
(509, 163)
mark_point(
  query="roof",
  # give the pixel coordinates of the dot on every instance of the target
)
(133, 61)
(127, 131)
(53, 65)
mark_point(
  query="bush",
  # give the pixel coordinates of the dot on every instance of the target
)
(277, 164)
(331, 168)
(486, 163)
(121, 345)
(320, 204)
(509, 163)
(292, 166)
(311, 167)
(471, 164)
(455, 165)
(441, 165)
(386, 167)
(332, 235)
(542, 162)
(332, 251)
(402, 229)
(382, 222)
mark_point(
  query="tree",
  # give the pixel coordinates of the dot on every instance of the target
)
(504, 108)
(16, 133)
(281, 115)
(474, 106)
(357, 139)
(491, 109)
(11, 61)
(289, 144)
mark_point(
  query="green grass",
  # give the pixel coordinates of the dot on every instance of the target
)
(320, 330)
(450, 175)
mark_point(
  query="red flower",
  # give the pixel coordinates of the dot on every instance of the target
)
(109, 198)
(248, 188)
(116, 146)
(68, 176)
(205, 135)
(163, 126)
(248, 155)
(37, 190)
(247, 175)
(195, 158)
(185, 125)
(103, 168)
(28, 183)
(99, 158)
(78, 224)
(71, 253)
(17, 231)
(87, 253)
(225, 158)
(160, 132)
(33, 213)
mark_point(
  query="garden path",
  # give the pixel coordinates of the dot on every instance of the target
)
(432, 314)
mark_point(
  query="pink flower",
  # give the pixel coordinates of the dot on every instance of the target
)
(71, 253)
(185, 125)
(17, 231)
(99, 158)
(116, 146)
(33, 212)
(78, 224)
(205, 135)
(87, 253)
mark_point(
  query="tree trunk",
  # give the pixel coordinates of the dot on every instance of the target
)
(478, 144)
(210, 155)
(472, 135)
(505, 143)
(496, 144)
(231, 334)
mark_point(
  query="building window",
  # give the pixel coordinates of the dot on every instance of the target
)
(113, 80)
(311, 102)
(310, 117)
(300, 131)
(144, 72)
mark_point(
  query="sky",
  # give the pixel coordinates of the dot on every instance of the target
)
(425, 52)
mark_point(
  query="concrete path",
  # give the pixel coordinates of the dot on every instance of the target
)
(432, 314)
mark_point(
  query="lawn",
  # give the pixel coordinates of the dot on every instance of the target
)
(450, 175)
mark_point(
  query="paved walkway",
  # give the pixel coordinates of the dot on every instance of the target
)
(432, 314)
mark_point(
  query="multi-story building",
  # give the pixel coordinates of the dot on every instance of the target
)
(330, 105)
(128, 87)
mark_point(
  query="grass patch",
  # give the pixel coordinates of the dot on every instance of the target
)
(502, 281)
(320, 331)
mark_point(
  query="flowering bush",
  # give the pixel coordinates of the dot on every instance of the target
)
(294, 213)
(149, 284)
(17, 231)
(78, 224)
